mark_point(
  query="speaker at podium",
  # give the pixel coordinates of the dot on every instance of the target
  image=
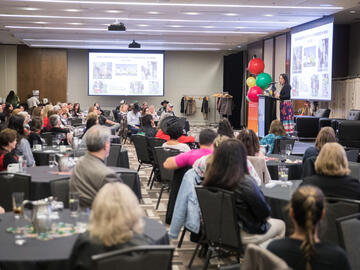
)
(267, 112)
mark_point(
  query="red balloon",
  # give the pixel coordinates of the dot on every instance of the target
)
(254, 93)
(256, 66)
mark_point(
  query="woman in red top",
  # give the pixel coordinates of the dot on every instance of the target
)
(7, 147)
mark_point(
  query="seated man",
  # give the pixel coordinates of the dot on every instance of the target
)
(206, 138)
(56, 129)
(103, 120)
(90, 172)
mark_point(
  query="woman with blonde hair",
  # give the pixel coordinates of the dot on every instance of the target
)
(276, 131)
(332, 173)
(303, 249)
(115, 223)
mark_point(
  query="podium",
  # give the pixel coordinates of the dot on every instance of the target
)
(267, 112)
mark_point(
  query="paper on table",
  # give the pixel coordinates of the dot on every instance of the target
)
(274, 183)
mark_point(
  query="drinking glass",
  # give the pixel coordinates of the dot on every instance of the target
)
(23, 164)
(288, 149)
(283, 173)
(74, 203)
(52, 161)
(17, 200)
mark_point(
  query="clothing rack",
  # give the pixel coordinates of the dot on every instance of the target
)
(216, 96)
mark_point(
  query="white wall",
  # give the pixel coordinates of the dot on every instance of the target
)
(268, 55)
(8, 69)
(186, 73)
(280, 57)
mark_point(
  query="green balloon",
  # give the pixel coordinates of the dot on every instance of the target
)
(263, 80)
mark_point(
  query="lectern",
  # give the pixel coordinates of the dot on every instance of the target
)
(266, 114)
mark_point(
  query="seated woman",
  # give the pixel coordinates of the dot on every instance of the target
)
(175, 130)
(276, 131)
(115, 223)
(225, 128)
(303, 249)
(163, 135)
(147, 126)
(92, 121)
(332, 173)
(35, 128)
(76, 112)
(16, 122)
(7, 147)
(228, 170)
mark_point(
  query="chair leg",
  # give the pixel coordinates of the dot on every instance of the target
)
(193, 256)
(182, 238)
(207, 259)
(161, 192)
(139, 167)
(151, 174)
(152, 181)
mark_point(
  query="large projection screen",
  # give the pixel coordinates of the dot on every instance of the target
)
(126, 73)
(311, 60)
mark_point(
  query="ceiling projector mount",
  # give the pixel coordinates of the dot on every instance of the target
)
(117, 26)
(134, 45)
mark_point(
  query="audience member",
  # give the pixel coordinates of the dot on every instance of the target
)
(76, 111)
(251, 142)
(56, 129)
(145, 111)
(92, 121)
(169, 110)
(32, 102)
(303, 249)
(47, 127)
(8, 110)
(7, 147)
(332, 173)
(37, 112)
(175, 130)
(35, 128)
(115, 223)
(164, 104)
(162, 127)
(225, 128)
(276, 131)
(147, 126)
(12, 99)
(133, 119)
(228, 170)
(16, 122)
(90, 173)
(102, 119)
(153, 113)
(46, 111)
(206, 138)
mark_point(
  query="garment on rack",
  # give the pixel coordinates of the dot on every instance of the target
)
(225, 106)
(205, 107)
(190, 106)
(182, 105)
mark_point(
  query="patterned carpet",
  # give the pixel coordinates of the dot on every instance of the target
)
(182, 255)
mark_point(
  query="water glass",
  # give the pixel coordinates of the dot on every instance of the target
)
(17, 200)
(23, 165)
(288, 150)
(283, 173)
(74, 203)
(52, 161)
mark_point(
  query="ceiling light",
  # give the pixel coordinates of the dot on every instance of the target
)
(142, 25)
(72, 10)
(30, 9)
(41, 22)
(231, 14)
(240, 27)
(192, 13)
(176, 26)
(268, 15)
(75, 23)
(208, 26)
(113, 11)
(153, 12)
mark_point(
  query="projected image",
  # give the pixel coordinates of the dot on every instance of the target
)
(310, 56)
(137, 87)
(314, 85)
(325, 82)
(297, 60)
(153, 86)
(295, 87)
(102, 70)
(149, 71)
(125, 70)
(99, 87)
(323, 54)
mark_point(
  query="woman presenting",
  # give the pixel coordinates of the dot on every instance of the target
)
(286, 107)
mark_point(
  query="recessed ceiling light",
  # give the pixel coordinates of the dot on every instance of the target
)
(208, 26)
(76, 23)
(326, 5)
(192, 13)
(72, 10)
(41, 22)
(143, 25)
(231, 14)
(239, 46)
(352, 11)
(30, 8)
(113, 11)
(175, 26)
(240, 27)
(268, 15)
(153, 12)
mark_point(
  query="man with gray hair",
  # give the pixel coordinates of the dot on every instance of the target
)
(90, 172)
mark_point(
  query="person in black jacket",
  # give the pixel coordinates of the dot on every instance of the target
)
(228, 170)
(147, 126)
(35, 128)
(7, 147)
(115, 223)
(332, 173)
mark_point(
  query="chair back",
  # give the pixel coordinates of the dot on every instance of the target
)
(261, 259)
(161, 154)
(10, 183)
(308, 167)
(337, 208)
(60, 190)
(219, 217)
(75, 122)
(352, 155)
(349, 231)
(136, 258)
(323, 113)
(142, 149)
(353, 115)
(260, 167)
(113, 158)
(281, 144)
(116, 115)
(47, 136)
(155, 142)
(106, 113)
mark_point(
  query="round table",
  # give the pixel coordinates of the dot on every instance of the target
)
(295, 169)
(55, 253)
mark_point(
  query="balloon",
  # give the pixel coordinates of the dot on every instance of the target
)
(263, 80)
(251, 82)
(254, 92)
(256, 66)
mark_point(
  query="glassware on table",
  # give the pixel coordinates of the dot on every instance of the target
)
(17, 200)
(283, 173)
(22, 164)
(74, 203)
(52, 160)
(288, 150)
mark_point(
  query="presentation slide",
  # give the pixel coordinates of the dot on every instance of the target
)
(126, 74)
(311, 63)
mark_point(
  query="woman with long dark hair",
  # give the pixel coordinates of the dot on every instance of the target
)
(286, 107)
(228, 170)
(225, 128)
(303, 249)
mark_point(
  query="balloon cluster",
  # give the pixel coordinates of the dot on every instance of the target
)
(258, 84)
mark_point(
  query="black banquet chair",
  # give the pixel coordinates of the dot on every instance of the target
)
(114, 155)
(136, 258)
(349, 231)
(281, 144)
(60, 190)
(155, 142)
(10, 183)
(142, 152)
(220, 223)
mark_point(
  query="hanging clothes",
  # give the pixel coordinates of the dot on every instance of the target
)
(190, 106)
(225, 105)
(205, 107)
(182, 105)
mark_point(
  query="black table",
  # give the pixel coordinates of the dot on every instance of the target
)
(295, 169)
(53, 254)
(42, 176)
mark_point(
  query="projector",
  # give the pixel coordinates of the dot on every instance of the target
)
(134, 45)
(117, 27)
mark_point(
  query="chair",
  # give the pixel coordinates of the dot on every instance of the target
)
(348, 231)
(281, 143)
(308, 168)
(116, 116)
(60, 190)
(142, 152)
(336, 208)
(75, 122)
(47, 136)
(352, 155)
(257, 258)
(166, 176)
(113, 158)
(220, 223)
(230, 267)
(260, 167)
(106, 113)
(155, 142)
(135, 258)
(10, 183)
